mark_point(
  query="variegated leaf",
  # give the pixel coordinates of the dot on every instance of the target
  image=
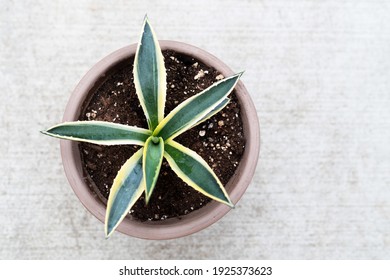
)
(195, 171)
(195, 108)
(98, 132)
(216, 110)
(150, 76)
(127, 188)
(152, 159)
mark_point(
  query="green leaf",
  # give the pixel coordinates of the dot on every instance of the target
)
(195, 171)
(216, 109)
(98, 132)
(125, 191)
(195, 108)
(150, 76)
(152, 159)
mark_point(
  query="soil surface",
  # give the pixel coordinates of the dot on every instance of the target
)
(219, 140)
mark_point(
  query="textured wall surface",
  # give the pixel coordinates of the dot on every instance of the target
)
(318, 72)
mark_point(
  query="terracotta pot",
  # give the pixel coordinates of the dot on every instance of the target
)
(170, 228)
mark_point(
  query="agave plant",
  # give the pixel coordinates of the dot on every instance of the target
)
(140, 172)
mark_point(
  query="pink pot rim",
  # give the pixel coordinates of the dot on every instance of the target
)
(197, 220)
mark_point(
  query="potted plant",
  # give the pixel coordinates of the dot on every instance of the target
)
(113, 137)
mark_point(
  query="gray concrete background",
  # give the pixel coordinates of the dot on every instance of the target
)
(318, 72)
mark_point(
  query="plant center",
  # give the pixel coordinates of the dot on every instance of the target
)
(155, 140)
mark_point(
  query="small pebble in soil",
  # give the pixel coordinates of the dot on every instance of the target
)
(200, 74)
(219, 77)
(202, 133)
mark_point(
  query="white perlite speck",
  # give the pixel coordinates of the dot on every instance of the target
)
(219, 77)
(199, 75)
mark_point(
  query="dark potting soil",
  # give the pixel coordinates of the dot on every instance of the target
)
(219, 140)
